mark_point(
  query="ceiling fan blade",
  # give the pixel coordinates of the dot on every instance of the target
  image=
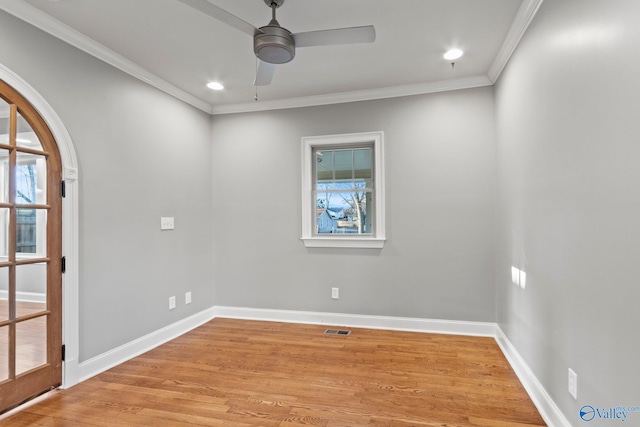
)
(366, 34)
(264, 75)
(221, 15)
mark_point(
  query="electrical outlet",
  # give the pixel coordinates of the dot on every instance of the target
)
(573, 384)
(187, 298)
(172, 303)
(166, 223)
(335, 293)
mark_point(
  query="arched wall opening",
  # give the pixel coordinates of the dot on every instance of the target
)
(70, 300)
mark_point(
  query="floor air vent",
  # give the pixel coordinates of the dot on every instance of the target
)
(336, 332)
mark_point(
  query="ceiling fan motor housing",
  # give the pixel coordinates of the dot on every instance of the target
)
(274, 44)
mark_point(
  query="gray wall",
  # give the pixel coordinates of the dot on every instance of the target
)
(564, 172)
(568, 106)
(142, 154)
(440, 187)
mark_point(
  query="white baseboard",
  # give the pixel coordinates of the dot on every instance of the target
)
(455, 327)
(102, 362)
(539, 396)
(26, 296)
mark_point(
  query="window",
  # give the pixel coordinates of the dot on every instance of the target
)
(343, 191)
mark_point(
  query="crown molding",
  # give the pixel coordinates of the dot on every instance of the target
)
(52, 26)
(525, 15)
(355, 96)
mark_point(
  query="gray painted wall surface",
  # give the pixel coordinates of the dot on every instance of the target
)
(142, 154)
(440, 188)
(568, 106)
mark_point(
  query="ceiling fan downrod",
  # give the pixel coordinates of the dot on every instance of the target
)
(271, 3)
(274, 4)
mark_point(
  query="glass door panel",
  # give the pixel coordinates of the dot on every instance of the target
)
(4, 353)
(4, 175)
(31, 344)
(26, 137)
(5, 114)
(4, 294)
(31, 230)
(4, 234)
(31, 289)
(31, 179)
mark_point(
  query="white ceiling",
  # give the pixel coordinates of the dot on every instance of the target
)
(180, 50)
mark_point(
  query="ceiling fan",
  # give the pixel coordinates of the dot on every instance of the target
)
(273, 44)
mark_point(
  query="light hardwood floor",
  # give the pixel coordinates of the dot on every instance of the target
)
(246, 373)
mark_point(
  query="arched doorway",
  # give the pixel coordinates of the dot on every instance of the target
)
(30, 252)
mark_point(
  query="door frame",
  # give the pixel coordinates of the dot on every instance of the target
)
(70, 300)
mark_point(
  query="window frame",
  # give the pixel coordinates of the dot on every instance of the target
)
(309, 237)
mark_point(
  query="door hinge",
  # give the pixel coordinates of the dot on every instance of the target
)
(63, 189)
(63, 264)
(64, 352)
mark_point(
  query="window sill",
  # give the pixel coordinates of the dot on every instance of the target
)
(344, 242)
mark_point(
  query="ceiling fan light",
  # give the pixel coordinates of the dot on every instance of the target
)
(274, 45)
(452, 54)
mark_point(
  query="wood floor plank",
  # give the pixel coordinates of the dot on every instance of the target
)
(247, 373)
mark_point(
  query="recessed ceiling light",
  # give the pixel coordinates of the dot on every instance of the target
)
(215, 86)
(453, 54)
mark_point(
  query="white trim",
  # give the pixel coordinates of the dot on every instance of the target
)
(343, 242)
(70, 304)
(309, 238)
(118, 355)
(527, 11)
(539, 396)
(52, 26)
(26, 296)
(355, 96)
(410, 324)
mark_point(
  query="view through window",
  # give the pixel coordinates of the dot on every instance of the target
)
(343, 190)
